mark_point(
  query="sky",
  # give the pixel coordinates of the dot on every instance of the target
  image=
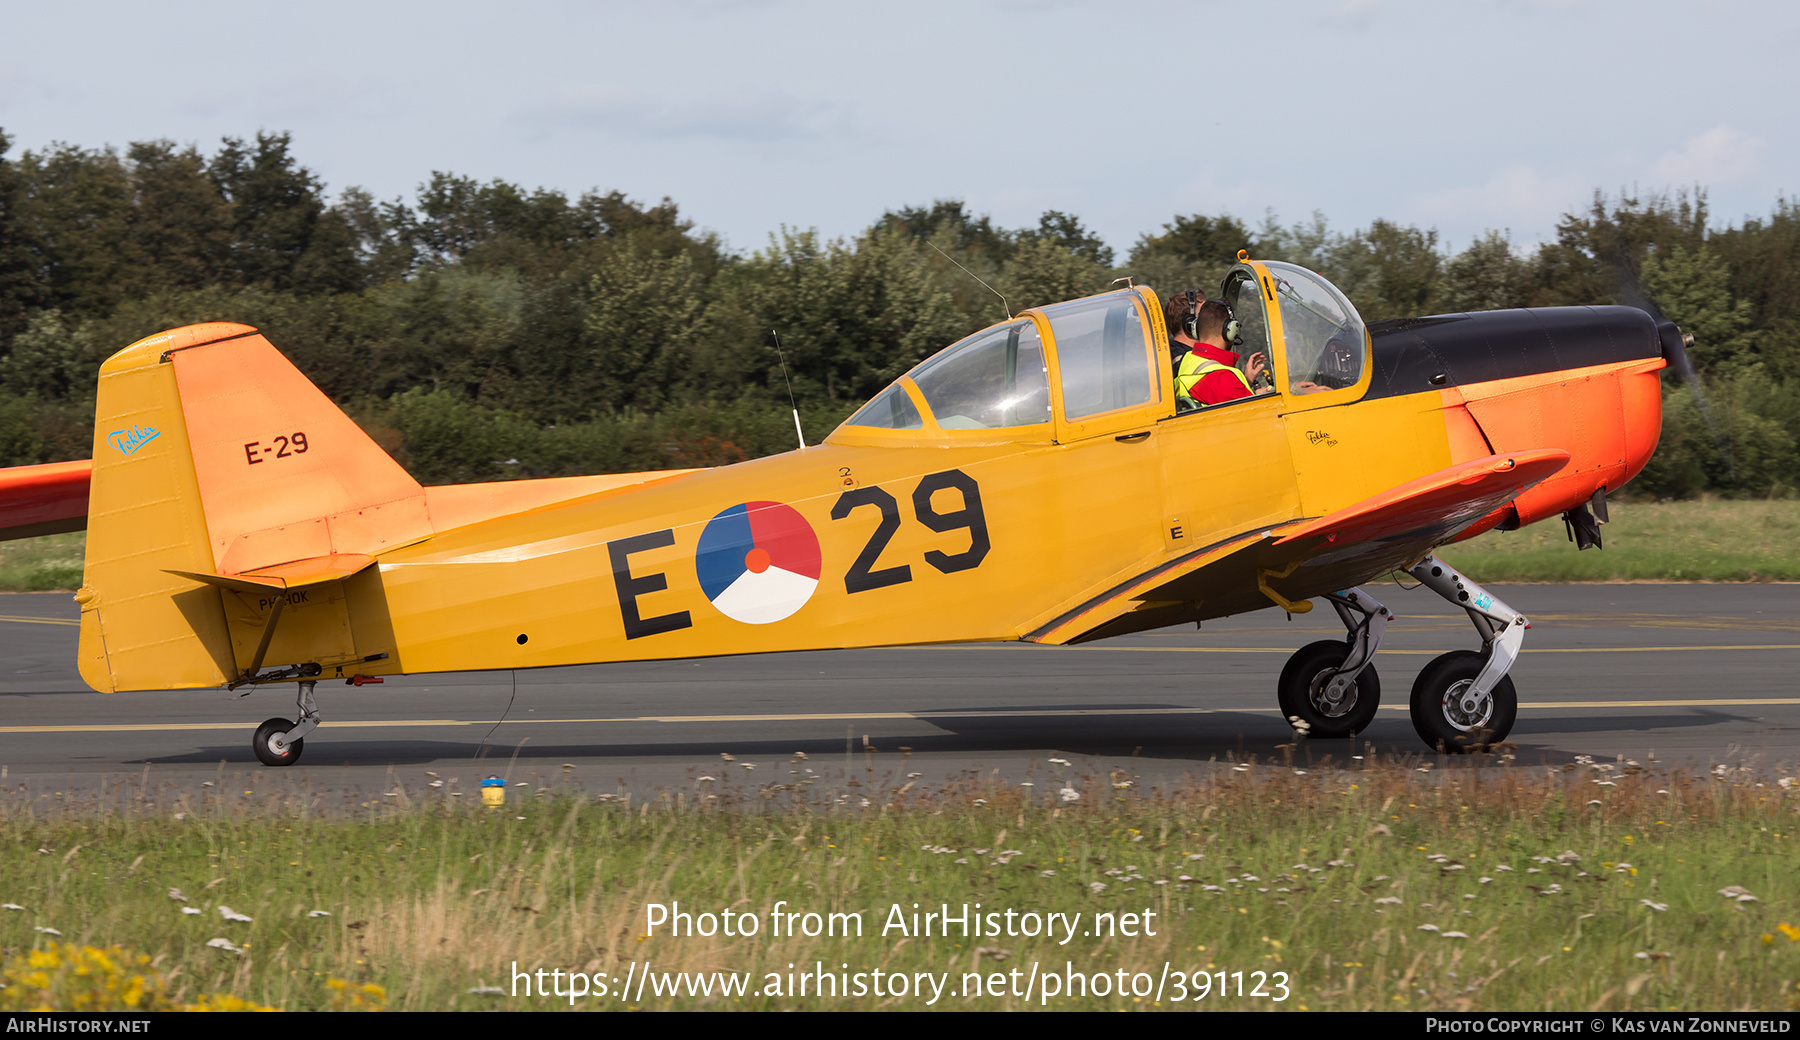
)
(754, 115)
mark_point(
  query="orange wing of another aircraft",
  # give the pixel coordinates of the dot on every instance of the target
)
(47, 499)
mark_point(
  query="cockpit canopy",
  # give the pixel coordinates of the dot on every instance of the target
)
(1107, 358)
(999, 377)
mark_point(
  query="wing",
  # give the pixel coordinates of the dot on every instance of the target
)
(1308, 557)
(48, 499)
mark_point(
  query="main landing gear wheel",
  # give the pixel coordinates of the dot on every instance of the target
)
(263, 744)
(1447, 718)
(1303, 692)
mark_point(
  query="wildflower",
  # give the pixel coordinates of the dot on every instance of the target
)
(318, 913)
(1644, 955)
(1428, 928)
(1658, 907)
(487, 991)
(176, 894)
(1788, 783)
(1739, 893)
(726, 758)
(1390, 900)
(1240, 768)
(1456, 935)
(1568, 856)
(46, 931)
(1059, 761)
(1069, 794)
(1502, 867)
(1792, 933)
(1047, 873)
(190, 910)
(10, 906)
(232, 915)
(1096, 887)
(1486, 880)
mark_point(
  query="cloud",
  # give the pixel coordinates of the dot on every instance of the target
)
(750, 115)
(1721, 155)
(1515, 197)
(1354, 14)
(282, 101)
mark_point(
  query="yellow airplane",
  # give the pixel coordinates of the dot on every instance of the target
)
(1040, 480)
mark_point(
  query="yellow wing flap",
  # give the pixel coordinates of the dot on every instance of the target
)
(1307, 558)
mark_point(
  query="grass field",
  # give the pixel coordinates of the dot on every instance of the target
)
(1646, 541)
(1675, 541)
(42, 564)
(1378, 886)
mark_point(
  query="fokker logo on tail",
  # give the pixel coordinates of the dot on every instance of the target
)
(129, 441)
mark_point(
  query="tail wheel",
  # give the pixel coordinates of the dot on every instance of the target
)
(263, 744)
(1445, 717)
(1304, 692)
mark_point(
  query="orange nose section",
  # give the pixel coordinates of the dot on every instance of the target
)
(1608, 418)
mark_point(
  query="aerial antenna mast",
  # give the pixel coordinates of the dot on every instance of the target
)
(1003, 304)
(790, 388)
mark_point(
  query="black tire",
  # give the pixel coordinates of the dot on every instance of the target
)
(1303, 680)
(267, 754)
(1441, 724)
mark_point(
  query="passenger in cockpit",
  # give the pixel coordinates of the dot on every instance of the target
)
(1205, 370)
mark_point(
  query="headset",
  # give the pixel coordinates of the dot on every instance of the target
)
(1233, 329)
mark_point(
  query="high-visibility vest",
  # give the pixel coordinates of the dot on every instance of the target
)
(1194, 368)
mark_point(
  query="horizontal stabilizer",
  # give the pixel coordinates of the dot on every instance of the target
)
(296, 575)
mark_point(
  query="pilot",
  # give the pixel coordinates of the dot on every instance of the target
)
(1338, 370)
(1205, 370)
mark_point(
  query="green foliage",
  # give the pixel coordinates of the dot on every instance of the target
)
(561, 330)
(1487, 276)
(1693, 290)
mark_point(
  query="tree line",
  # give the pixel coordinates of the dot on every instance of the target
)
(486, 331)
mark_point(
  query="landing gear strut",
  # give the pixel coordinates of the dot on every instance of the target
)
(278, 741)
(1464, 700)
(1329, 688)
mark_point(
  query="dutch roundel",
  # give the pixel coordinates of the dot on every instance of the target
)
(758, 562)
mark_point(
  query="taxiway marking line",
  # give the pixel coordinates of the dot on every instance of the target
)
(1420, 653)
(38, 620)
(868, 716)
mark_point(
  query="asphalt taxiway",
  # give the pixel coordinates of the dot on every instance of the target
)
(1684, 675)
